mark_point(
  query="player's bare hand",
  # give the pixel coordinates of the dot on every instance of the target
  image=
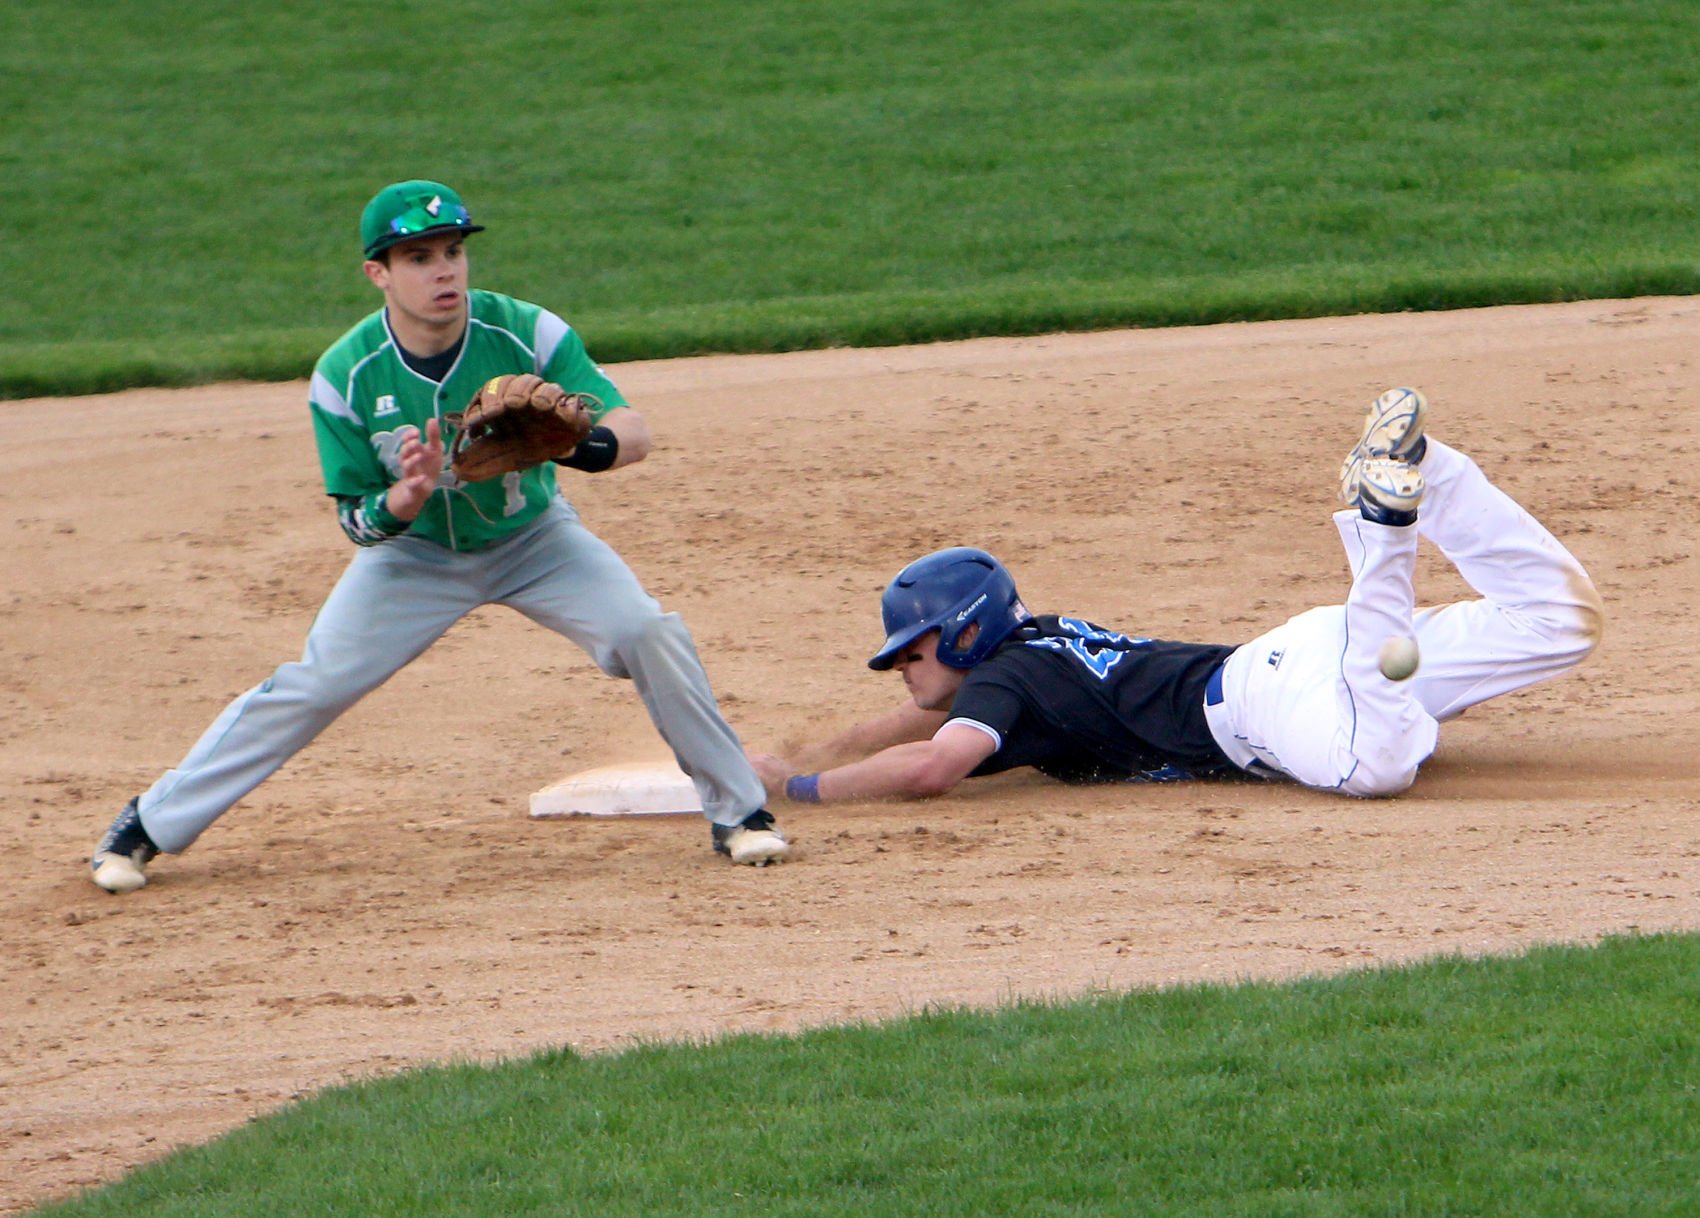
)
(773, 771)
(421, 465)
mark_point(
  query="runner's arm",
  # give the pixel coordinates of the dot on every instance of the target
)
(913, 769)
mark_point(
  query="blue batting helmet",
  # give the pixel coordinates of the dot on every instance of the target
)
(950, 590)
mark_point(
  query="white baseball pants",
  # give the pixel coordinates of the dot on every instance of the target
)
(1308, 699)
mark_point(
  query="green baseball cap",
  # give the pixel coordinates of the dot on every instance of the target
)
(405, 210)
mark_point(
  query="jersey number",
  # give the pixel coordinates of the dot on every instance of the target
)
(1099, 650)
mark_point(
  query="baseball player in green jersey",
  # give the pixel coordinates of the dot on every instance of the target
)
(432, 548)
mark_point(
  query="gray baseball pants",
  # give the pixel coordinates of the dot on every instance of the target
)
(395, 600)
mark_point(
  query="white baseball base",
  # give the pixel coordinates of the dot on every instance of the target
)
(643, 789)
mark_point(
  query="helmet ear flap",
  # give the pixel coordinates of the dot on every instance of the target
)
(953, 648)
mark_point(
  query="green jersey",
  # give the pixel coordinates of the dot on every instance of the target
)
(366, 401)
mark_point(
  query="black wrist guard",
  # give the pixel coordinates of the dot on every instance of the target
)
(595, 453)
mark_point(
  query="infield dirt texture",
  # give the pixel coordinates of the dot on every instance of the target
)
(385, 901)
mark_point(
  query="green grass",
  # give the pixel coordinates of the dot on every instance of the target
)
(1562, 1082)
(183, 180)
(182, 184)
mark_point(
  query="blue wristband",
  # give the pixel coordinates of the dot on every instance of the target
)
(803, 788)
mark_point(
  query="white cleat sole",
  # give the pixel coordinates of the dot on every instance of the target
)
(118, 873)
(1392, 485)
(1393, 427)
(757, 847)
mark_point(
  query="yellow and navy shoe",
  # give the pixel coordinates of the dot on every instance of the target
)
(1393, 427)
(1389, 491)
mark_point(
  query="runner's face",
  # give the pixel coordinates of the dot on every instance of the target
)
(931, 683)
(425, 281)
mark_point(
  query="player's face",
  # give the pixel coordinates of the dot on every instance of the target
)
(424, 282)
(932, 684)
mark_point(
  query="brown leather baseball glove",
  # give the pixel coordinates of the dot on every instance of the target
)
(515, 422)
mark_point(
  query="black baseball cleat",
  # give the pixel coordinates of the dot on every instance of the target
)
(753, 840)
(126, 849)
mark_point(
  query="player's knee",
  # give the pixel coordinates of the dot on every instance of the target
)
(638, 636)
(1588, 618)
(1378, 782)
(1575, 626)
(1564, 629)
(319, 693)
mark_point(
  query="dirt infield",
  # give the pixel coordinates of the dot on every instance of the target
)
(383, 901)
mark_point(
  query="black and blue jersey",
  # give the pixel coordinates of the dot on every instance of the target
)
(1085, 704)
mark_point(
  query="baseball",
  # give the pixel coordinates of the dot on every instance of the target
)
(1399, 658)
